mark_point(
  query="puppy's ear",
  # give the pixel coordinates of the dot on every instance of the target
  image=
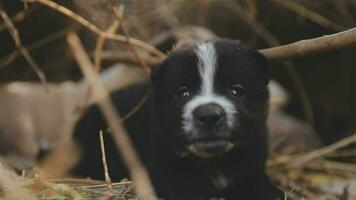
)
(158, 72)
(155, 70)
(263, 66)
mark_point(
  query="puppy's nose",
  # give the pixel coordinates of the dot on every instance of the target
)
(209, 114)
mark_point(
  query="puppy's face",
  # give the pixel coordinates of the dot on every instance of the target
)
(210, 97)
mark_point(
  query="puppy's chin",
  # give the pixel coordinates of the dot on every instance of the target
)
(210, 148)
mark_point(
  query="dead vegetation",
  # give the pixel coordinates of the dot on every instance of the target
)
(128, 36)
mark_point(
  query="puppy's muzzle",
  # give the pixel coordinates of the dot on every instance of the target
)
(210, 121)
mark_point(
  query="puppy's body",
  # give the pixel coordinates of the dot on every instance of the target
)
(202, 131)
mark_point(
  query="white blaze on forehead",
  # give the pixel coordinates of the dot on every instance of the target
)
(207, 65)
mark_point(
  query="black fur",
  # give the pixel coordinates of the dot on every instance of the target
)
(157, 130)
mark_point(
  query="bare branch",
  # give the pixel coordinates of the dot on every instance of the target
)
(128, 57)
(303, 48)
(15, 35)
(119, 38)
(139, 175)
(118, 15)
(302, 159)
(311, 15)
(19, 16)
(7, 60)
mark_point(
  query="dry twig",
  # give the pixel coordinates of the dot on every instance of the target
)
(105, 164)
(139, 175)
(313, 16)
(119, 38)
(101, 40)
(299, 160)
(15, 36)
(119, 17)
(10, 186)
(64, 190)
(19, 16)
(7, 60)
(303, 48)
(127, 57)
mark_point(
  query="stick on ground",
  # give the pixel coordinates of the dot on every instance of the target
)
(105, 163)
(143, 186)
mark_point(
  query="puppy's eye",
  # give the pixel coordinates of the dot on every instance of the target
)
(183, 94)
(237, 91)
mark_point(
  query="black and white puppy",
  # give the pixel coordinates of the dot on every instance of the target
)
(201, 132)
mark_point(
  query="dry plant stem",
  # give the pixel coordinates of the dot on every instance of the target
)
(105, 164)
(96, 30)
(302, 92)
(119, 16)
(250, 21)
(100, 44)
(64, 190)
(11, 187)
(343, 8)
(338, 166)
(19, 16)
(305, 12)
(139, 175)
(7, 60)
(15, 36)
(303, 48)
(97, 63)
(137, 107)
(299, 160)
(134, 52)
(127, 57)
(89, 183)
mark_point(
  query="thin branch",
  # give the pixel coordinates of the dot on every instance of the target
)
(119, 38)
(303, 48)
(250, 21)
(311, 15)
(321, 152)
(97, 63)
(139, 175)
(138, 106)
(15, 36)
(101, 40)
(19, 16)
(105, 164)
(7, 60)
(119, 16)
(127, 57)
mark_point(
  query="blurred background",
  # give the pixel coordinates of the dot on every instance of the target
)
(318, 92)
(328, 78)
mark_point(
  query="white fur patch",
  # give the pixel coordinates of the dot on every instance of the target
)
(207, 65)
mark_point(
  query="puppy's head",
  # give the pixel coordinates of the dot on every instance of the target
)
(211, 97)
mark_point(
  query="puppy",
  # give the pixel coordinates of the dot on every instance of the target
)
(202, 130)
